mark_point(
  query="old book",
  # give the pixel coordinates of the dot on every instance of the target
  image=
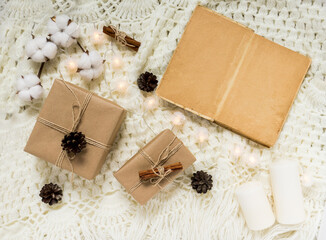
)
(224, 72)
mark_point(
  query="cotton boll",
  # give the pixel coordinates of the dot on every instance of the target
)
(73, 30)
(52, 27)
(31, 48)
(98, 71)
(63, 31)
(60, 38)
(68, 42)
(40, 50)
(25, 96)
(20, 84)
(40, 41)
(38, 56)
(31, 80)
(62, 21)
(36, 92)
(29, 87)
(87, 74)
(95, 58)
(49, 50)
(84, 62)
(90, 65)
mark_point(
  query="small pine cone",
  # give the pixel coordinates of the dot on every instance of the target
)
(73, 142)
(147, 82)
(51, 193)
(201, 181)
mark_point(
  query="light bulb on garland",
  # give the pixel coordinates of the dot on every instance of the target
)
(150, 103)
(251, 160)
(307, 179)
(122, 86)
(178, 119)
(71, 66)
(202, 134)
(237, 151)
(117, 62)
(97, 37)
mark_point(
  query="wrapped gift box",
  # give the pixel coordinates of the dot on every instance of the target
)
(163, 150)
(99, 120)
(224, 72)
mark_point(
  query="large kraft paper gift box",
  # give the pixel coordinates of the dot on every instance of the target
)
(97, 118)
(163, 150)
(224, 72)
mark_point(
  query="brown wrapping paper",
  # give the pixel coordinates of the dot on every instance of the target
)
(101, 122)
(128, 175)
(224, 72)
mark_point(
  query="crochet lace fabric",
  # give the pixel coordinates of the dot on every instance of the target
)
(101, 208)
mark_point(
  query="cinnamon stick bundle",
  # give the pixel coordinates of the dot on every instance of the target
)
(130, 42)
(148, 174)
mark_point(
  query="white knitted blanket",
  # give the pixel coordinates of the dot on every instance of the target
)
(101, 208)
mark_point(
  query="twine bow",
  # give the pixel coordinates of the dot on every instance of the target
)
(80, 108)
(120, 36)
(160, 175)
(164, 156)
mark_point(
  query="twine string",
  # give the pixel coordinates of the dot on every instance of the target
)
(164, 156)
(81, 108)
(160, 175)
(120, 36)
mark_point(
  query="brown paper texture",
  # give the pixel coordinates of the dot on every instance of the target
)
(226, 73)
(101, 121)
(128, 176)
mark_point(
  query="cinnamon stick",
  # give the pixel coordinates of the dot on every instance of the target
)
(148, 174)
(134, 44)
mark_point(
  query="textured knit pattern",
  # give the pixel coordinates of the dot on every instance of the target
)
(101, 208)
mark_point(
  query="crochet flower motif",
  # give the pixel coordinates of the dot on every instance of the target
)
(90, 65)
(29, 87)
(62, 30)
(40, 49)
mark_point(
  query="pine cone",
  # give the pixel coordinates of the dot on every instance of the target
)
(51, 193)
(201, 181)
(73, 142)
(147, 82)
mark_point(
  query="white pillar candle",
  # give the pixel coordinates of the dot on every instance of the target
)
(287, 192)
(255, 206)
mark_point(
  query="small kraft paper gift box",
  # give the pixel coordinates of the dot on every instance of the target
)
(164, 158)
(224, 72)
(71, 114)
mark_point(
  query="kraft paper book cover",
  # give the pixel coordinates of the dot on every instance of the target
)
(224, 72)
